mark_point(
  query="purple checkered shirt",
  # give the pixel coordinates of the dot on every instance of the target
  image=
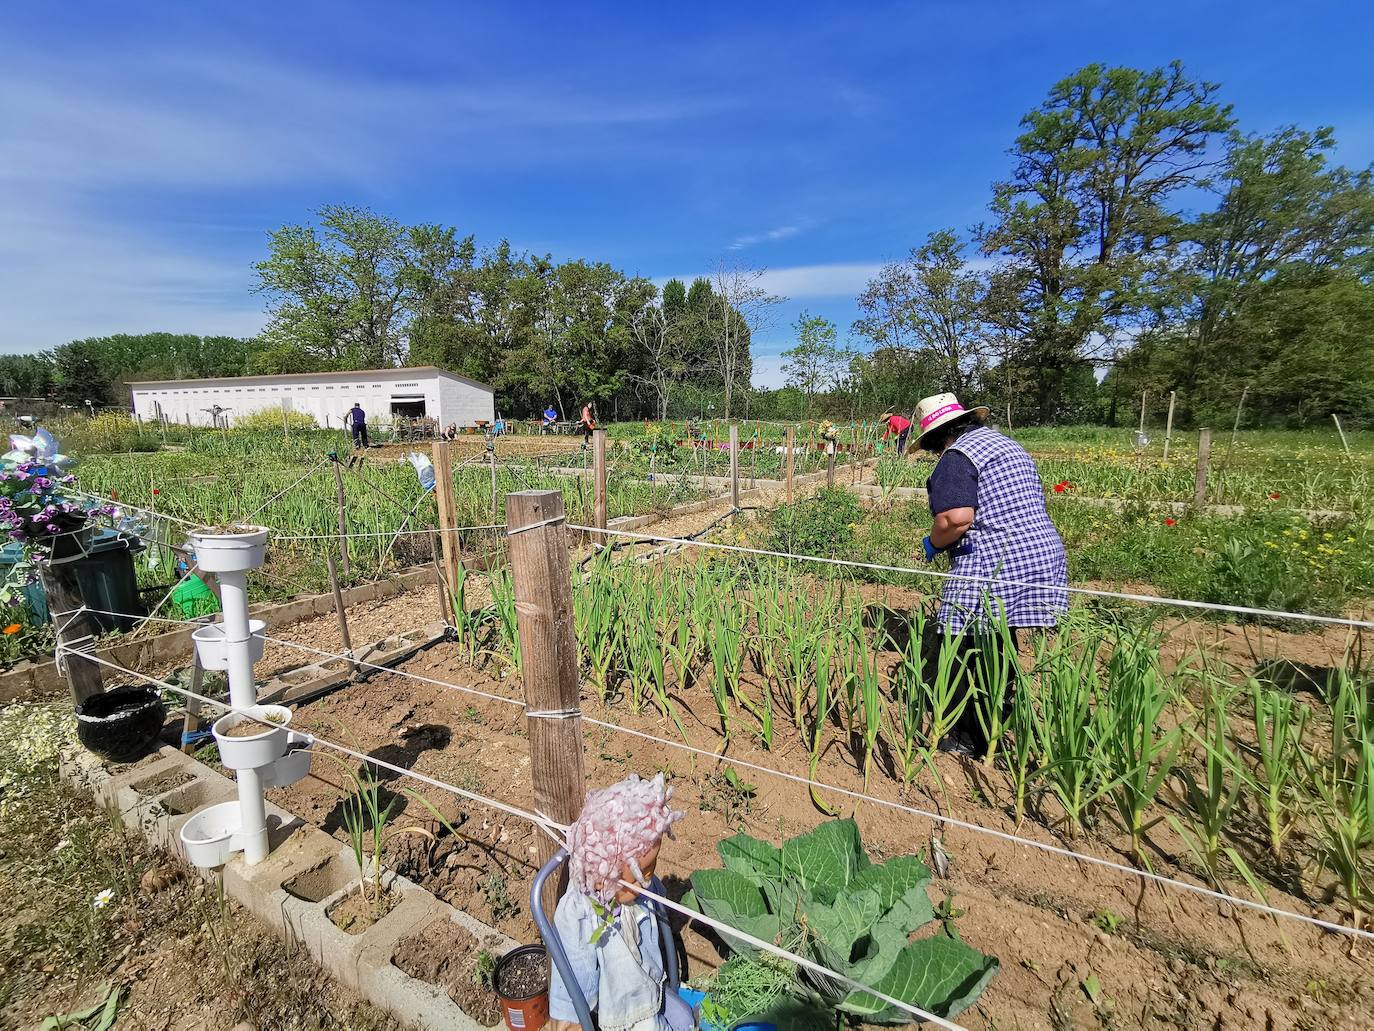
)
(1012, 538)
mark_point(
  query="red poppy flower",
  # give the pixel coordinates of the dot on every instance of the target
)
(1059, 488)
(1170, 521)
(1274, 495)
(156, 491)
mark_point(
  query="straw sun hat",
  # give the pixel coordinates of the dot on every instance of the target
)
(939, 409)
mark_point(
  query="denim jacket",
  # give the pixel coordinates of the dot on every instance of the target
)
(622, 975)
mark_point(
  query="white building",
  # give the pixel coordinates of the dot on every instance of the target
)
(419, 392)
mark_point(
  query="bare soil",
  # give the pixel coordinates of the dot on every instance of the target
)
(165, 783)
(356, 912)
(451, 957)
(1170, 956)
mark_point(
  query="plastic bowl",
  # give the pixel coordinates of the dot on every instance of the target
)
(265, 746)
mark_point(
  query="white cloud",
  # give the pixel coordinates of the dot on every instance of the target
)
(753, 239)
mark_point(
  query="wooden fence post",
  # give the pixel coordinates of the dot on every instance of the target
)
(343, 515)
(73, 628)
(791, 446)
(734, 466)
(443, 494)
(1204, 452)
(1169, 426)
(599, 482)
(537, 542)
(829, 464)
(1143, 395)
(339, 613)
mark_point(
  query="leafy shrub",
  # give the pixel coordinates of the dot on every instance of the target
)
(270, 419)
(822, 897)
(821, 525)
(105, 433)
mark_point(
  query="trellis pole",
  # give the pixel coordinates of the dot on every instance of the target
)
(734, 466)
(599, 513)
(537, 540)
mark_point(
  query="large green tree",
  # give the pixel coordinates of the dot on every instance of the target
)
(1086, 224)
(816, 362)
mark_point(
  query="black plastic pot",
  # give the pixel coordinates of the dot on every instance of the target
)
(123, 724)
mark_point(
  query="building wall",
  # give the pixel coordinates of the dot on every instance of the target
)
(326, 400)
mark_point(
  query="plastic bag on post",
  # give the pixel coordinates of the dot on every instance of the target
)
(424, 469)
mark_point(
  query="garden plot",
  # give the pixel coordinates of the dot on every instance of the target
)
(1072, 939)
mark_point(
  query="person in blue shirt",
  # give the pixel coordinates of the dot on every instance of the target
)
(550, 417)
(357, 425)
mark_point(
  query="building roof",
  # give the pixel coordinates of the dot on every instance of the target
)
(307, 376)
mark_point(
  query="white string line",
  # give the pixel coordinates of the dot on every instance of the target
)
(559, 833)
(384, 533)
(1186, 603)
(293, 484)
(900, 807)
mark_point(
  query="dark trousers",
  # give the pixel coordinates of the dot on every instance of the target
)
(359, 431)
(901, 440)
(976, 651)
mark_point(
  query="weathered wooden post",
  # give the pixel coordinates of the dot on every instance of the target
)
(829, 464)
(791, 446)
(75, 628)
(1204, 453)
(599, 481)
(339, 613)
(495, 497)
(1169, 426)
(537, 540)
(1344, 443)
(734, 466)
(341, 501)
(1143, 395)
(443, 495)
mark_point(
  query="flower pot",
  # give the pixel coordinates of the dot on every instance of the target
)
(231, 551)
(250, 751)
(213, 649)
(207, 838)
(524, 999)
(122, 724)
(291, 767)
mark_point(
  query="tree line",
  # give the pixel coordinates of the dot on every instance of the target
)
(1139, 242)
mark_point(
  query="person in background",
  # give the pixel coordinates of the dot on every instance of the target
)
(451, 431)
(550, 417)
(587, 423)
(357, 425)
(898, 427)
(988, 506)
(498, 427)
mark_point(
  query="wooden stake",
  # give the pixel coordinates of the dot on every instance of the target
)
(599, 480)
(734, 466)
(285, 422)
(1169, 426)
(340, 500)
(1344, 443)
(1235, 427)
(538, 548)
(791, 446)
(191, 723)
(829, 464)
(1204, 452)
(339, 612)
(1142, 411)
(74, 628)
(443, 495)
(495, 498)
(754, 458)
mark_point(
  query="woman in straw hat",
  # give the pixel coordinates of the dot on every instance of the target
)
(989, 515)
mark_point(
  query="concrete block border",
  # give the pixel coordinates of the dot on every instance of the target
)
(293, 890)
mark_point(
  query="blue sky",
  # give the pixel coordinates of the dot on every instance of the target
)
(147, 149)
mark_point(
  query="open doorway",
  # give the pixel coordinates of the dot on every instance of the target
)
(408, 409)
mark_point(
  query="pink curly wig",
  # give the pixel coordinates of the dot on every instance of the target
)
(619, 825)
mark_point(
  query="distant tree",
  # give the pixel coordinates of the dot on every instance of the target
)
(815, 363)
(1084, 221)
(930, 301)
(343, 293)
(739, 307)
(26, 375)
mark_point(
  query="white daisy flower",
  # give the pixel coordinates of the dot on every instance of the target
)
(103, 899)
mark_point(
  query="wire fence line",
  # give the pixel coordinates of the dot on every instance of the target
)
(558, 832)
(1149, 599)
(860, 796)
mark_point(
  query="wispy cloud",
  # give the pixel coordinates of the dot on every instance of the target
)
(753, 239)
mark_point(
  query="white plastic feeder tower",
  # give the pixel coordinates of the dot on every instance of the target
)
(259, 760)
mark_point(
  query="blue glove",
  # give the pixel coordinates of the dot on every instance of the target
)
(930, 549)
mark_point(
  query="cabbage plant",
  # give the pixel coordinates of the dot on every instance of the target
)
(821, 897)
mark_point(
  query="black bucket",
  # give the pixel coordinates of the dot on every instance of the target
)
(123, 724)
